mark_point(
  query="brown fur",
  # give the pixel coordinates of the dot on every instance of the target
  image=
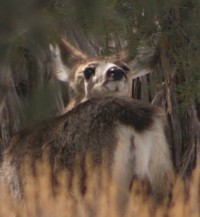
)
(91, 127)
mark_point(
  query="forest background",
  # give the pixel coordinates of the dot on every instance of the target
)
(29, 94)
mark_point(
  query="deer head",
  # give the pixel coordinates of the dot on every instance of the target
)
(90, 77)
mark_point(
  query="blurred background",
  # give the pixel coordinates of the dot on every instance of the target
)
(29, 94)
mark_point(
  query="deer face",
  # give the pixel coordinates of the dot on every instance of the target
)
(91, 77)
(104, 78)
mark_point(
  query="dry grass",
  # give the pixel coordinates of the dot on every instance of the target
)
(99, 199)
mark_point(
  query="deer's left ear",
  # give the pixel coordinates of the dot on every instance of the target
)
(64, 57)
(143, 63)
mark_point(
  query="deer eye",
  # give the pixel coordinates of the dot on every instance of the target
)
(88, 72)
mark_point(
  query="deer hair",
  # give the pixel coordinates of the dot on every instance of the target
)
(103, 118)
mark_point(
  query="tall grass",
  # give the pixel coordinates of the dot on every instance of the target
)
(99, 198)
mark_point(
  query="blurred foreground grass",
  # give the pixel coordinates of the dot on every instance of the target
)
(98, 200)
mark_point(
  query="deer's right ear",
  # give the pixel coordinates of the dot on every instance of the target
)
(142, 63)
(64, 57)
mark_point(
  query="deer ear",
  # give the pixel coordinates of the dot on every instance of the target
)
(64, 57)
(143, 63)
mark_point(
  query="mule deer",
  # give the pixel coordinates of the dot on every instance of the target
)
(102, 118)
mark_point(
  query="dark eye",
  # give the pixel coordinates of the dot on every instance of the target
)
(88, 72)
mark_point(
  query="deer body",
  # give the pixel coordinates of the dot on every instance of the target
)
(129, 131)
(103, 118)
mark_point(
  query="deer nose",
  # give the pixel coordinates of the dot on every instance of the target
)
(115, 73)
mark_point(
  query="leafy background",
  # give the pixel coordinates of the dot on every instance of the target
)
(29, 94)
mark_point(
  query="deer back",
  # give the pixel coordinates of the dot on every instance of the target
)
(128, 131)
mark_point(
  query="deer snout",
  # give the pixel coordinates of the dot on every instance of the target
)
(115, 74)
